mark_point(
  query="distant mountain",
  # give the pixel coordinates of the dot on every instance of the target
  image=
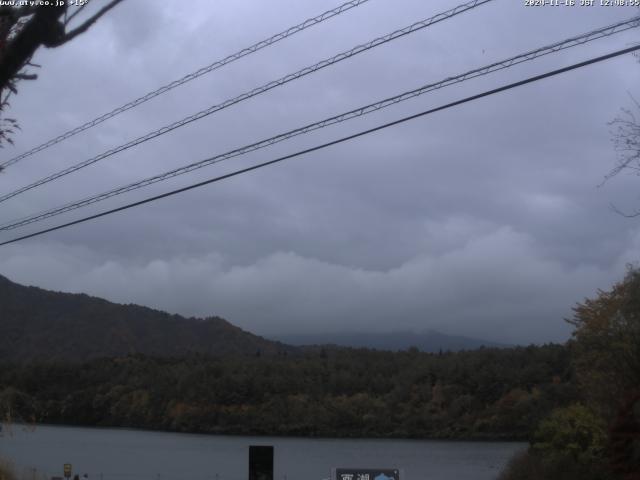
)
(429, 341)
(37, 324)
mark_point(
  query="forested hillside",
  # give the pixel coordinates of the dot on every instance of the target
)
(488, 393)
(37, 324)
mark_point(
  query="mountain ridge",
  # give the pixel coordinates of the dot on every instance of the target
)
(38, 324)
(430, 341)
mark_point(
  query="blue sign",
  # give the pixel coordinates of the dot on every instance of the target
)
(366, 474)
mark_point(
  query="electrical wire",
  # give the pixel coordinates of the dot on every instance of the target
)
(252, 93)
(331, 143)
(496, 66)
(310, 22)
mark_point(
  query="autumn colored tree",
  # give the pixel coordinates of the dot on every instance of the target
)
(606, 348)
(598, 438)
(606, 345)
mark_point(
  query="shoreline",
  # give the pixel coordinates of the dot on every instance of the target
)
(258, 435)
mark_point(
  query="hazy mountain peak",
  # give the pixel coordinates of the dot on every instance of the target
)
(428, 340)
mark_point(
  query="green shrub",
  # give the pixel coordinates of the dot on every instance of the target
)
(569, 444)
(573, 433)
(532, 466)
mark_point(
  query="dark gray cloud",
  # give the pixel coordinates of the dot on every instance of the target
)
(482, 220)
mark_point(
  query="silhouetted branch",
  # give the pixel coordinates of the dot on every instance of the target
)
(77, 11)
(85, 26)
(26, 76)
(615, 209)
(22, 31)
(626, 141)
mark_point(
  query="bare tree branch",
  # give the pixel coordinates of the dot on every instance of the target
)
(85, 26)
(25, 76)
(626, 140)
(634, 214)
(77, 11)
(22, 31)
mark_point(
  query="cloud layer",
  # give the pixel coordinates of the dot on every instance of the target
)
(498, 283)
(482, 220)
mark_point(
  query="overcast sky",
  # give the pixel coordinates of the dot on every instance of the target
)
(483, 220)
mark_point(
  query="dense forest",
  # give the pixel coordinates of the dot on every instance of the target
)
(482, 394)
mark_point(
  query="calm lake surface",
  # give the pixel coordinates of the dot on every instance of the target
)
(114, 454)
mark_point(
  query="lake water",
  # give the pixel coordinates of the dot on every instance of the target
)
(115, 454)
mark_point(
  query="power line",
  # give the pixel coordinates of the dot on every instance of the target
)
(310, 22)
(334, 142)
(503, 64)
(256, 91)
